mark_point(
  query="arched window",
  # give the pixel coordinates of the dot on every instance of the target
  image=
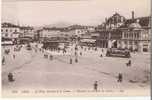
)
(6, 35)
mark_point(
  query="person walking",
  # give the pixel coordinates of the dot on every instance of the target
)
(129, 63)
(95, 85)
(81, 53)
(51, 57)
(101, 55)
(96, 49)
(3, 61)
(13, 56)
(75, 53)
(102, 50)
(120, 77)
(10, 77)
(76, 60)
(70, 60)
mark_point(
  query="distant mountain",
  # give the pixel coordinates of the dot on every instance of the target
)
(59, 25)
(63, 26)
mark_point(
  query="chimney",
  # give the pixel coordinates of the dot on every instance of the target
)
(133, 15)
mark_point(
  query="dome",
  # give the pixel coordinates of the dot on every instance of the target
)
(135, 25)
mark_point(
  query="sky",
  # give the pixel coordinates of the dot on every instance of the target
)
(84, 12)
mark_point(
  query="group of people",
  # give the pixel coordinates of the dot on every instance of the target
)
(16, 48)
(96, 83)
(119, 77)
(50, 56)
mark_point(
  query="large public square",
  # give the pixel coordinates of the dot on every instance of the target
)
(31, 70)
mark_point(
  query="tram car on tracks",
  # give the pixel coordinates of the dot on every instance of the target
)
(115, 52)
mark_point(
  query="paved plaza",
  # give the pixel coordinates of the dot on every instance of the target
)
(32, 70)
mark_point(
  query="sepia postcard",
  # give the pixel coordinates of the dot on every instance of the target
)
(75, 48)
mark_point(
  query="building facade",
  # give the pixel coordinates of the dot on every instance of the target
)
(119, 32)
(136, 35)
(10, 31)
(27, 31)
(115, 21)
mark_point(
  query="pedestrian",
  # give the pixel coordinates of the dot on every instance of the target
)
(95, 85)
(3, 60)
(10, 77)
(96, 49)
(13, 56)
(51, 57)
(120, 77)
(75, 53)
(64, 51)
(7, 51)
(129, 63)
(76, 60)
(102, 50)
(81, 53)
(101, 55)
(76, 48)
(45, 56)
(70, 60)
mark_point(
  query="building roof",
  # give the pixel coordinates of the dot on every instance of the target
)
(112, 19)
(17, 33)
(137, 22)
(134, 25)
(7, 25)
(26, 28)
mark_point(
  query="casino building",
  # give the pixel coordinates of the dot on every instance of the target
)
(119, 32)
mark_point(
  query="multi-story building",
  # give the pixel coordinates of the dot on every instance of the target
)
(27, 31)
(109, 32)
(108, 38)
(61, 32)
(49, 33)
(79, 32)
(10, 31)
(119, 32)
(136, 34)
